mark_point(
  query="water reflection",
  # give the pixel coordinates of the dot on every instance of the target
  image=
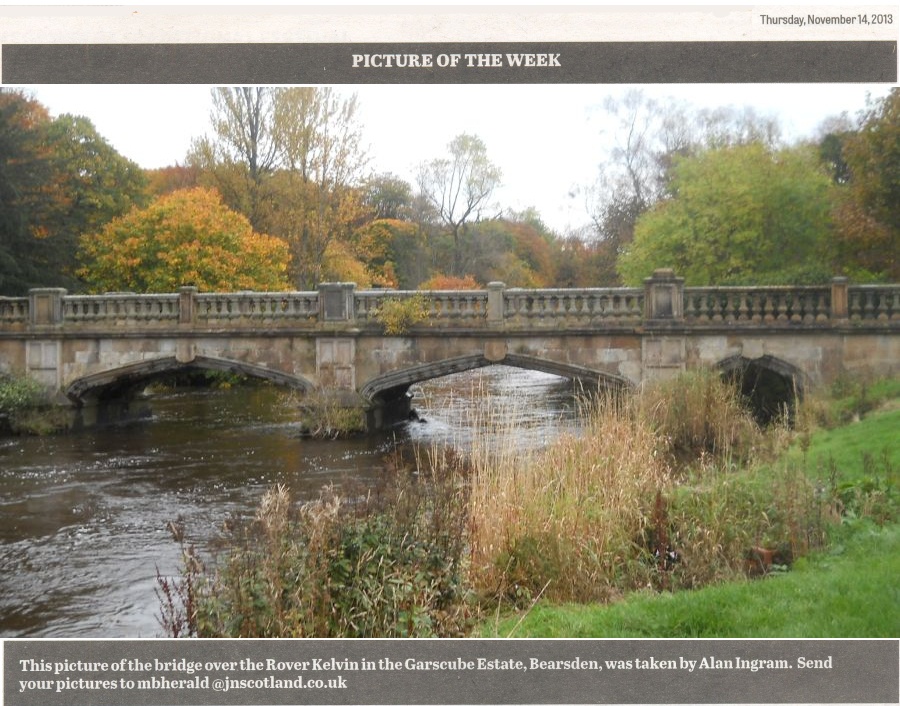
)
(83, 516)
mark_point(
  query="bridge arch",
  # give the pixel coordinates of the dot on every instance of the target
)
(109, 382)
(394, 385)
(771, 386)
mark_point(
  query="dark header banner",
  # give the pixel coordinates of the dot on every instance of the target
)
(162, 672)
(426, 63)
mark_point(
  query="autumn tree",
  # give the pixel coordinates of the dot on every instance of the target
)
(739, 215)
(291, 160)
(25, 168)
(459, 187)
(187, 237)
(868, 210)
(95, 182)
(164, 180)
(243, 151)
(388, 197)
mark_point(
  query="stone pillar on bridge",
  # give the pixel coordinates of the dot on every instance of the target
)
(45, 306)
(187, 305)
(336, 301)
(42, 356)
(495, 302)
(840, 303)
(664, 296)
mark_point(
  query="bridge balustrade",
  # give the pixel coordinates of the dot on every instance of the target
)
(659, 300)
(439, 305)
(284, 307)
(123, 308)
(13, 311)
(576, 305)
(874, 303)
(759, 305)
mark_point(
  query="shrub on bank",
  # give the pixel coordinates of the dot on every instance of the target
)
(386, 563)
(26, 409)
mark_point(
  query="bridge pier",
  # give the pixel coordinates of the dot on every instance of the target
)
(384, 413)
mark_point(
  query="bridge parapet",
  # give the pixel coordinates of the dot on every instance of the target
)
(120, 308)
(577, 306)
(873, 303)
(662, 301)
(467, 306)
(259, 307)
(13, 312)
(757, 305)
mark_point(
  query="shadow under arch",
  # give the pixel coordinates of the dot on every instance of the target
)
(394, 385)
(772, 387)
(114, 381)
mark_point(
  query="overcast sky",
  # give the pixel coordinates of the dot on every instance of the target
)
(548, 140)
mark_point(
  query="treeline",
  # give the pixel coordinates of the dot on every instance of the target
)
(280, 194)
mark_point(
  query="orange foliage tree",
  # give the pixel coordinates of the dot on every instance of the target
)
(187, 237)
(449, 282)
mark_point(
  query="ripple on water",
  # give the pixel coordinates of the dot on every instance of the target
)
(83, 516)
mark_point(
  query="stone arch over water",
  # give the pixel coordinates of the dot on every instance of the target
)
(771, 386)
(394, 385)
(119, 381)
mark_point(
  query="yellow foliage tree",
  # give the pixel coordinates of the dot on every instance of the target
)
(187, 237)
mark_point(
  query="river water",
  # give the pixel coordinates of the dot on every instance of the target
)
(83, 516)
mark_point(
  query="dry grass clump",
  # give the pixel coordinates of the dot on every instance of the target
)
(564, 520)
(659, 490)
(698, 415)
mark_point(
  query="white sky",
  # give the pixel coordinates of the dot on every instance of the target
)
(547, 139)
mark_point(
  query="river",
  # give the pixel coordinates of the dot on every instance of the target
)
(83, 516)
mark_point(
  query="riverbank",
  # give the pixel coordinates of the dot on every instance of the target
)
(846, 588)
(658, 493)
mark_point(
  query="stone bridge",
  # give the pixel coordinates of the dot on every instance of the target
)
(93, 348)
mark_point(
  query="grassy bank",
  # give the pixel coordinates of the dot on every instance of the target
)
(850, 590)
(845, 586)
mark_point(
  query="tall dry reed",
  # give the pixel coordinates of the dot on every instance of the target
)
(564, 520)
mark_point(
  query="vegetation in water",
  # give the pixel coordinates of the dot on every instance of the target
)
(26, 409)
(325, 416)
(640, 504)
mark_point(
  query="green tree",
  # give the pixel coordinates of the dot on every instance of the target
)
(746, 214)
(25, 167)
(187, 237)
(646, 137)
(58, 179)
(95, 183)
(388, 197)
(459, 187)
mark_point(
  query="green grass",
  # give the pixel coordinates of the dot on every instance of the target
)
(851, 591)
(875, 436)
